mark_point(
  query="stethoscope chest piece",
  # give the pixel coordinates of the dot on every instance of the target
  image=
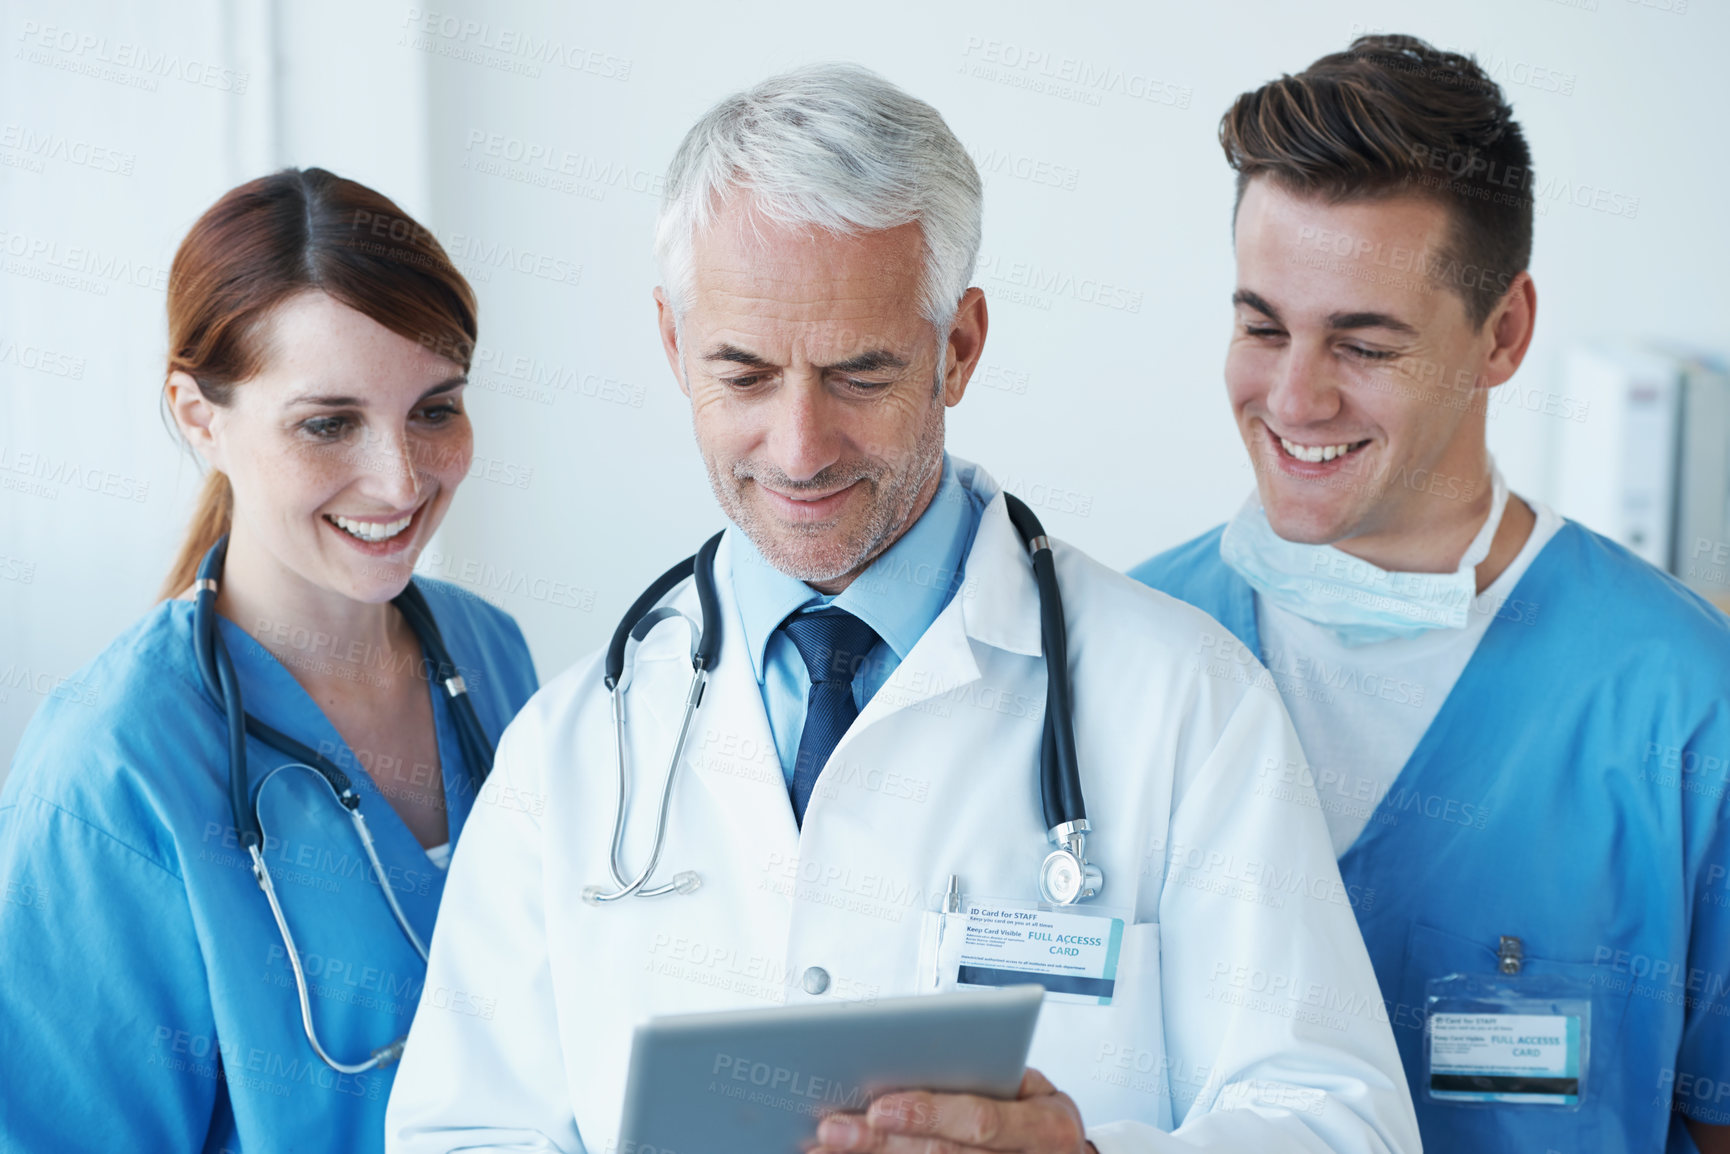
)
(1066, 877)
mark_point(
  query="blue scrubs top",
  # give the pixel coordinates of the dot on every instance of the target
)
(146, 997)
(1571, 792)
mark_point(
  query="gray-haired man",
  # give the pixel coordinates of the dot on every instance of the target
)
(872, 733)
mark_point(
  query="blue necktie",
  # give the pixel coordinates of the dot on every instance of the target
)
(833, 643)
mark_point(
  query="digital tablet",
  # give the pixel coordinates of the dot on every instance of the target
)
(758, 1081)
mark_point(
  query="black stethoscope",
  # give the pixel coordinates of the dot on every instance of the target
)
(1065, 876)
(217, 670)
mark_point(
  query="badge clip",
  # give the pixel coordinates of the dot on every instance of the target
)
(1510, 955)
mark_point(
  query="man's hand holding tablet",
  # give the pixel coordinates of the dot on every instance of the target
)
(918, 1073)
(1041, 1120)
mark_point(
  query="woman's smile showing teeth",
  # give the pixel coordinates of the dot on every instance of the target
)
(371, 532)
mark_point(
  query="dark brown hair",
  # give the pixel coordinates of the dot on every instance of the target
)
(273, 238)
(1392, 115)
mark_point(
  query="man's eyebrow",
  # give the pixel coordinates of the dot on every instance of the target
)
(1370, 321)
(872, 362)
(733, 354)
(875, 360)
(1336, 321)
(333, 401)
(1254, 301)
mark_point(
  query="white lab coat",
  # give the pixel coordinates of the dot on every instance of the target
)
(1246, 1012)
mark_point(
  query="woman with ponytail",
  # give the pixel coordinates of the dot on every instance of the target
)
(151, 996)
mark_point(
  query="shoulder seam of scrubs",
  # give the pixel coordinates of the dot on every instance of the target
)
(192, 683)
(129, 848)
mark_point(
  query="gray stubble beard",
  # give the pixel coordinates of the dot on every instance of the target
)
(889, 517)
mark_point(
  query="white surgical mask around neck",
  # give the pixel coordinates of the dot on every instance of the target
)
(1358, 602)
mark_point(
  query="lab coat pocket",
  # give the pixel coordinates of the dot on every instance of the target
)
(1433, 953)
(1111, 1058)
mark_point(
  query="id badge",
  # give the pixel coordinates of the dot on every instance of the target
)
(1070, 951)
(1495, 1039)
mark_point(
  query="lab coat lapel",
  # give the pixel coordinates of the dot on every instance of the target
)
(875, 855)
(1004, 612)
(997, 605)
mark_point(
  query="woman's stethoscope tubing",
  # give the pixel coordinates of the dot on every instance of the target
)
(384, 1055)
(1065, 875)
(216, 668)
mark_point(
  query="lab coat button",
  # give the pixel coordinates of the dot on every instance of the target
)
(816, 980)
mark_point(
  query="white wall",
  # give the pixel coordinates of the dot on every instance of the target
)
(117, 127)
(1112, 419)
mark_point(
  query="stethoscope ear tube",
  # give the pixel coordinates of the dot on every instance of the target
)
(204, 616)
(245, 822)
(1059, 773)
(223, 684)
(615, 663)
(471, 735)
(709, 644)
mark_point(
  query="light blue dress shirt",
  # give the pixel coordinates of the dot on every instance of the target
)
(899, 595)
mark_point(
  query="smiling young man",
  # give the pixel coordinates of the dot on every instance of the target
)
(869, 739)
(1517, 730)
